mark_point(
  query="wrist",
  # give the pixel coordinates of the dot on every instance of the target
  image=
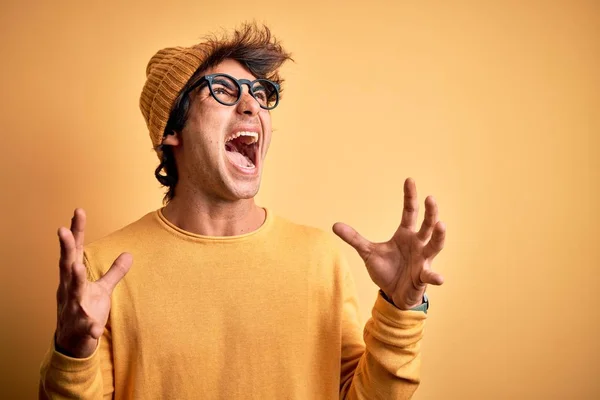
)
(75, 349)
(422, 306)
(386, 297)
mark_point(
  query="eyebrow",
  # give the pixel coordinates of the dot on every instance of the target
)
(223, 82)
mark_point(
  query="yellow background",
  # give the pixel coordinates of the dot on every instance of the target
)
(493, 107)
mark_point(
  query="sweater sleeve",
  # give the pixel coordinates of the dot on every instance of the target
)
(91, 378)
(64, 377)
(387, 366)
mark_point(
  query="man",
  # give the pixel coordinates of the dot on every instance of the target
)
(226, 300)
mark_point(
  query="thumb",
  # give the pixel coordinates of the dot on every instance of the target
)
(353, 238)
(117, 271)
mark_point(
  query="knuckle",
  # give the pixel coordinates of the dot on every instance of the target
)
(73, 307)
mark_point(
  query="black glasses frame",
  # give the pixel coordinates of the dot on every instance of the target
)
(239, 82)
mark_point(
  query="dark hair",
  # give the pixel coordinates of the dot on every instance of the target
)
(252, 46)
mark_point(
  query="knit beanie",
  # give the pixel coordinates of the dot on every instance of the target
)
(166, 74)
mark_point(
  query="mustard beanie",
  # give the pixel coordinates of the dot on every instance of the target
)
(166, 74)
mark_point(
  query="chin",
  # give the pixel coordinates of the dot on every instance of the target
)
(245, 191)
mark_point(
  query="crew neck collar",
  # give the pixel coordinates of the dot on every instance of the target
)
(172, 228)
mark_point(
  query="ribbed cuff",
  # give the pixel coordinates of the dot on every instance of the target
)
(70, 364)
(392, 315)
(391, 328)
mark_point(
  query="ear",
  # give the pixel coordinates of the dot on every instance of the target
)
(172, 139)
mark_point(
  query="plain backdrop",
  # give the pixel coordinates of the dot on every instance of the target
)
(493, 107)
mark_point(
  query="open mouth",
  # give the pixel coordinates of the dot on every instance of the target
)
(242, 148)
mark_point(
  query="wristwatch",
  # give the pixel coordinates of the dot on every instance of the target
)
(424, 306)
(421, 307)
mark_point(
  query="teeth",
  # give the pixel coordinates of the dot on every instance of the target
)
(253, 135)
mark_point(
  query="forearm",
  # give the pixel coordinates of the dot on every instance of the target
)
(389, 368)
(64, 377)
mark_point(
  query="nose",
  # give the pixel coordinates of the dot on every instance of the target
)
(247, 105)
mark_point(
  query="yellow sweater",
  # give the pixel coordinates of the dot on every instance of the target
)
(271, 314)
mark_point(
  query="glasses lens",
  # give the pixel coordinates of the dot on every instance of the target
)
(266, 93)
(225, 89)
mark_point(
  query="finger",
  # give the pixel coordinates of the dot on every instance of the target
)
(431, 218)
(79, 280)
(431, 277)
(436, 243)
(78, 228)
(353, 238)
(116, 272)
(67, 254)
(411, 205)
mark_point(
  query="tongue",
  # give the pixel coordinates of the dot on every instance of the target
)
(239, 159)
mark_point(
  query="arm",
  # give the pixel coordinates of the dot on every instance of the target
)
(389, 366)
(82, 367)
(401, 267)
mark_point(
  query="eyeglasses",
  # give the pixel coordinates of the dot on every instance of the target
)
(228, 91)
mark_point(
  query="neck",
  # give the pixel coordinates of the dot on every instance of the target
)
(210, 217)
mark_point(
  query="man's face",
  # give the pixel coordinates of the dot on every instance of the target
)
(208, 160)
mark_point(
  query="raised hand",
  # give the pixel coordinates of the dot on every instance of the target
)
(401, 267)
(83, 306)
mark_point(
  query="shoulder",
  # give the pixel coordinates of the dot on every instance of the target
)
(128, 233)
(100, 253)
(317, 249)
(305, 237)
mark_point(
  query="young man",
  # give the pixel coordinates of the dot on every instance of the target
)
(227, 300)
